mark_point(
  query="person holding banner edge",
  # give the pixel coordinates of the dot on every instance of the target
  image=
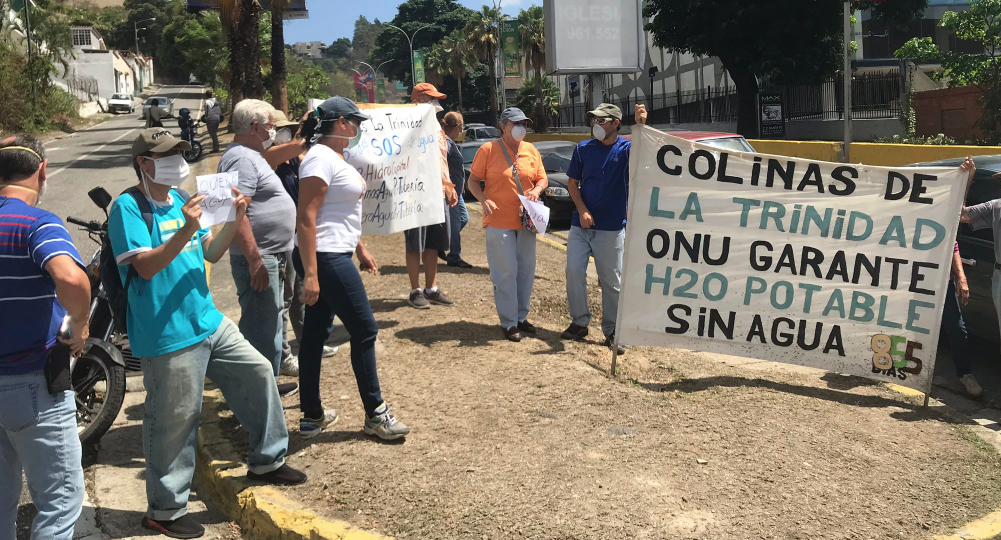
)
(329, 232)
(509, 167)
(599, 186)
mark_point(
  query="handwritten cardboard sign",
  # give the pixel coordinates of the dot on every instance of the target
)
(217, 206)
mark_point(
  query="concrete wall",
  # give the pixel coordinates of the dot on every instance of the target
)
(952, 111)
(834, 130)
(99, 65)
(884, 155)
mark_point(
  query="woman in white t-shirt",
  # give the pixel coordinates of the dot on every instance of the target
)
(328, 233)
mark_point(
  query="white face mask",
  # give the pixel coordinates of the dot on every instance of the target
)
(352, 141)
(284, 136)
(518, 133)
(437, 106)
(170, 171)
(598, 132)
(271, 138)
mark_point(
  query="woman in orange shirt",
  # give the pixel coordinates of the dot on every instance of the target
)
(510, 248)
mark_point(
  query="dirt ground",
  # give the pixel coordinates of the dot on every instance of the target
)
(533, 440)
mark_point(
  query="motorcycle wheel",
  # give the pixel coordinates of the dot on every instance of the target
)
(194, 154)
(100, 391)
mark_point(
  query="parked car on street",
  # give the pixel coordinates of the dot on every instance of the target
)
(480, 132)
(121, 103)
(166, 105)
(977, 247)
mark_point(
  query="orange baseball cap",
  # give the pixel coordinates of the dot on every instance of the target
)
(426, 89)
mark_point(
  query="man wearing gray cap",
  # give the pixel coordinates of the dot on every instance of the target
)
(599, 185)
(181, 338)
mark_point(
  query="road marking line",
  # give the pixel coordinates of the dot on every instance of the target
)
(53, 149)
(116, 139)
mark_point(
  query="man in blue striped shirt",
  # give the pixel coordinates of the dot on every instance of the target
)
(41, 280)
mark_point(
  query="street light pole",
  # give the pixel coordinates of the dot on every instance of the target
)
(410, 41)
(135, 27)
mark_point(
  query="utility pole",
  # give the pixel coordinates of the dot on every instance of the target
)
(847, 80)
(410, 40)
(499, 58)
(135, 27)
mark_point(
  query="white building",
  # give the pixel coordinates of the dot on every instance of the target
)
(96, 71)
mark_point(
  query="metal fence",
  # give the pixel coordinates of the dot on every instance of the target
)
(874, 95)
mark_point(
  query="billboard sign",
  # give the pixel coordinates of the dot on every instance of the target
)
(593, 36)
(510, 45)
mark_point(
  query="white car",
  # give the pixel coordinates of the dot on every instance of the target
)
(121, 103)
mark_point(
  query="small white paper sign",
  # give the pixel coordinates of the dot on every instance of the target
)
(538, 212)
(217, 206)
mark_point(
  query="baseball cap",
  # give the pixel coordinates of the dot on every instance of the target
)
(426, 89)
(513, 114)
(338, 106)
(606, 110)
(282, 121)
(157, 140)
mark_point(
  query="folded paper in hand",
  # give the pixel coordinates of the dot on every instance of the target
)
(217, 206)
(538, 212)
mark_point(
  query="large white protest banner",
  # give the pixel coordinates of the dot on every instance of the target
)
(835, 266)
(399, 158)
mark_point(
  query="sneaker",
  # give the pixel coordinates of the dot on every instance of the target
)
(418, 300)
(527, 327)
(610, 343)
(287, 389)
(971, 385)
(311, 428)
(282, 476)
(385, 426)
(182, 527)
(290, 366)
(575, 332)
(460, 264)
(438, 298)
(330, 351)
(512, 334)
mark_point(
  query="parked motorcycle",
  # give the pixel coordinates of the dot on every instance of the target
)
(98, 374)
(189, 132)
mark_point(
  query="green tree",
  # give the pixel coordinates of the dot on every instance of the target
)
(528, 99)
(204, 48)
(305, 81)
(339, 52)
(461, 59)
(139, 12)
(443, 16)
(242, 18)
(482, 31)
(436, 64)
(363, 40)
(532, 38)
(981, 23)
(754, 40)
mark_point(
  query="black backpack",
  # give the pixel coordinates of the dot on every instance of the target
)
(117, 294)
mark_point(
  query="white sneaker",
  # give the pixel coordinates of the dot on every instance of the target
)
(290, 366)
(327, 351)
(972, 386)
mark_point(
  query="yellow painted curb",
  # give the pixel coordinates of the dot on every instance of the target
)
(262, 512)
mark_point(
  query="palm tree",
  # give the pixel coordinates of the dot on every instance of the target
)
(481, 33)
(279, 92)
(532, 38)
(436, 64)
(461, 58)
(528, 99)
(241, 19)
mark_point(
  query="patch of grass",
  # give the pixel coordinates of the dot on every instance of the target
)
(988, 450)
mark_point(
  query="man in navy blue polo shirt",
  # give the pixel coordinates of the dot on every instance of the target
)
(42, 279)
(599, 187)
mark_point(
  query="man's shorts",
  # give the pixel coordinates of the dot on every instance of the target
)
(434, 237)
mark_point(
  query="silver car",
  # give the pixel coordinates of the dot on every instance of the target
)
(165, 105)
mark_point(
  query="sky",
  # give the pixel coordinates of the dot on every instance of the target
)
(332, 19)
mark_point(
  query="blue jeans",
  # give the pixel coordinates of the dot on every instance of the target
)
(261, 312)
(459, 218)
(511, 257)
(38, 434)
(174, 384)
(955, 328)
(342, 293)
(606, 248)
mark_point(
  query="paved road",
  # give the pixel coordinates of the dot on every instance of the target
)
(116, 497)
(101, 156)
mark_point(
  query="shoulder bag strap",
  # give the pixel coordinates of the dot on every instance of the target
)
(514, 170)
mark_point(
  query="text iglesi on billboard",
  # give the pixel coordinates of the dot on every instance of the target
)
(841, 267)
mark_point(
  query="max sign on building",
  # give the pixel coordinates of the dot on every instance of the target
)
(834, 266)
